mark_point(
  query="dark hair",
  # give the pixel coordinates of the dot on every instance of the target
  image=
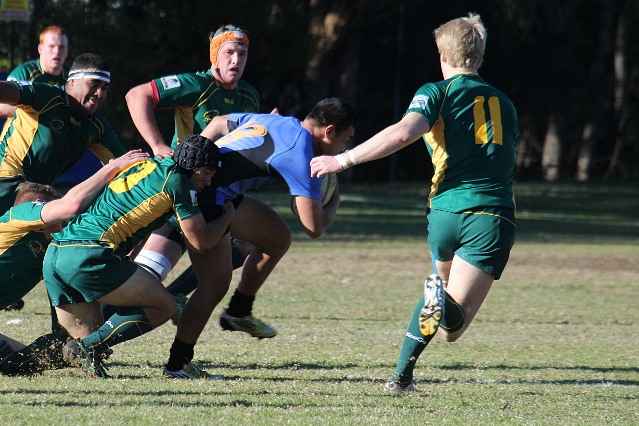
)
(336, 111)
(196, 151)
(90, 61)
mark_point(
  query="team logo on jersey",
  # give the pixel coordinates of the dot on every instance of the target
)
(56, 124)
(74, 121)
(210, 115)
(194, 197)
(170, 82)
(419, 101)
(36, 248)
(229, 101)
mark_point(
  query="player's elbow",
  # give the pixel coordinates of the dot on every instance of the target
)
(137, 96)
(74, 208)
(313, 233)
(68, 210)
(406, 136)
(130, 95)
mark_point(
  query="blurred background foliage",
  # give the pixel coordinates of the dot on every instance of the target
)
(570, 67)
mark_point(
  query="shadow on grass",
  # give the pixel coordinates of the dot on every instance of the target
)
(534, 368)
(294, 366)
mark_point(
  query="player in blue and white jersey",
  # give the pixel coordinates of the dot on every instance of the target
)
(257, 149)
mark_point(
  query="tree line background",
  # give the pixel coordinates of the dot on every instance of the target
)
(570, 67)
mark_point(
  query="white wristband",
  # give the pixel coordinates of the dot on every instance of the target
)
(342, 161)
(351, 156)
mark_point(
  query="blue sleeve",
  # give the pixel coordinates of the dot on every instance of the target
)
(294, 166)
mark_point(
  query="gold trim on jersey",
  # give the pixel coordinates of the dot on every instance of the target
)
(138, 218)
(11, 232)
(185, 122)
(435, 139)
(18, 144)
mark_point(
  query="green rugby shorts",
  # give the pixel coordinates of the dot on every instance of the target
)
(84, 271)
(482, 237)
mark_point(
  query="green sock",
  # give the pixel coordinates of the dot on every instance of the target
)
(45, 353)
(126, 324)
(414, 344)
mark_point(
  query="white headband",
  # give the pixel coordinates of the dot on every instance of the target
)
(90, 74)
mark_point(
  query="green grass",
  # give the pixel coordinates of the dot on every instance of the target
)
(554, 344)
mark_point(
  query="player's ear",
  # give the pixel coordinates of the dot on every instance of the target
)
(329, 131)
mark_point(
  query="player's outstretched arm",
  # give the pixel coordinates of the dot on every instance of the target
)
(82, 195)
(384, 143)
(142, 109)
(9, 93)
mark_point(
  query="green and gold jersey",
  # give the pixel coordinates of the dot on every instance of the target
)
(22, 246)
(198, 98)
(47, 136)
(137, 202)
(32, 71)
(472, 142)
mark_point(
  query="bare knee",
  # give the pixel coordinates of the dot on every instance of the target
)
(213, 289)
(278, 245)
(161, 311)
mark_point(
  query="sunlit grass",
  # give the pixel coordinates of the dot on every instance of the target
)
(554, 344)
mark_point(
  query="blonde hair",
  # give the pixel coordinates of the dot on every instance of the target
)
(53, 30)
(462, 41)
(31, 191)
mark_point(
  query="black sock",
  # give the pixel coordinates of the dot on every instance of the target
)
(181, 353)
(240, 305)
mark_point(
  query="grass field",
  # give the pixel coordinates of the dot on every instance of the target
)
(556, 342)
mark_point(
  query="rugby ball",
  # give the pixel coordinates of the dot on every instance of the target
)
(327, 187)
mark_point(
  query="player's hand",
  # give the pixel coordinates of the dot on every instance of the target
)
(128, 159)
(324, 165)
(162, 151)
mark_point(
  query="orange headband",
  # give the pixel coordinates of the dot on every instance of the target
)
(222, 39)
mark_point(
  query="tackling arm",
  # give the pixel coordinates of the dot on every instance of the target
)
(314, 218)
(9, 93)
(202, 236)
(82, 195)
(384, 143)
(141, 105)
